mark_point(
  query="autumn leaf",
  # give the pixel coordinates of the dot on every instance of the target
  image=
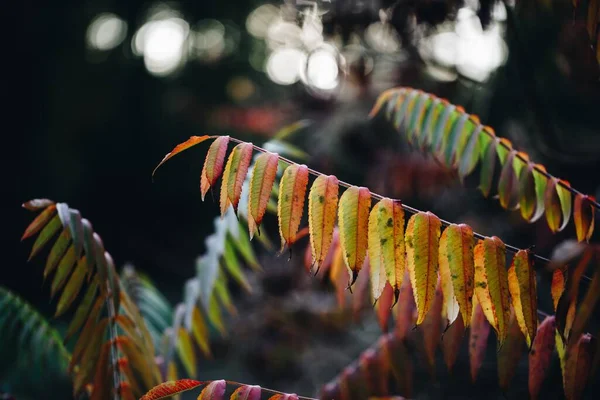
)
(246, 392)
(578, 363)
(284, 396)
(186, 351)
(213, 165)
(587, 306)
(508, 185)
(489, 159)
(399, 358)
(236, 171)
(422, 245)
(431, 329)
(353, 220)
(170, 388)
(583, 215)
(479, 332)
(457, 270)
(386, 245)
(541, 355)
(558, 204)
(528, 200)
(192, 141)
(557, 286)
(405, 309)
(37, 204)
(322, 206)
(264, 172)
(373, 371)
(384, 307)
(523, 291)
(40, 221)
(292, 189)
(510, 353)
(491, 284)
(452, 341)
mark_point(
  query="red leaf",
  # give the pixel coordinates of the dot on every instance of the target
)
(170, 388)
(405, 313)
(541, 355)
(372, 369)
(452, 340)
(480, 330)
(384, 305)
(246, 392)
(215, 390)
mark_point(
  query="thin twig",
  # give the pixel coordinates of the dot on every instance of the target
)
(408, 208)
(234, 383)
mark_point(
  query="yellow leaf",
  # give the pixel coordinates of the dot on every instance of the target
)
(322, 206)
(422, 247)
(185, 349)
(192, 141)
(290, 205)
(386, 246)
(353, 220)
(523, 292)
(491, 284)
(457, 271)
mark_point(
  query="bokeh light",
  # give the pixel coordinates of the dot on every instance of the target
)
(284, 65)
(106, 32)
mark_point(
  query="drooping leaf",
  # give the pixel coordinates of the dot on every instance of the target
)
(215, 390)
(353, 220)
(101, 386)
(491, 284)
(578, 363)
(432, 329)
(523, 292)
(471, 154)
(72, 287)
(213, 165)
(557, 286)
(422, 246)
(91, 330)
(236, 171)
(322, 206)
(587, 306)
(528, 201)
(192, 141)
(233, 266)
(170, 388)
(400, 361)
(372, 369)
(45, 235)
(386, 245)
(63, 270)
(452, 341)
(541, 355)
(384, 307)
(478, 336)
(457, 271)
(338, 274)
(83, 310)
(246, 392)
(200, 331)
(583, 215)
(40, 221)
(489, 159)
(58, 250)
(405, 309)
(558, 204)
(290, 206)
(510, 353)
(261, 184)
(284, 396)
(508, 188)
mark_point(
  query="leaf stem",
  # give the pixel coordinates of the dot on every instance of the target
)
(234, 383)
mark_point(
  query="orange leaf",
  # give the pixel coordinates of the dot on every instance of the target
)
(480, 330)
(491, 284)
(192, 141)
(261, 185)
(170, 388)
(583, 215)
(541, 355)
(213, 165)
(236, 171)
(422, 246)
(322, 206)
(283, 396)
(290, 205)
(557, 286)
(523, 292)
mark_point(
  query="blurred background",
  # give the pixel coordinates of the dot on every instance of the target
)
(98, 91)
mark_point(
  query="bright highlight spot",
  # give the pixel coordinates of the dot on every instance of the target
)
(322, 70)
(284, 65)
(260, 19)
(161, 42)
(106, 32)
